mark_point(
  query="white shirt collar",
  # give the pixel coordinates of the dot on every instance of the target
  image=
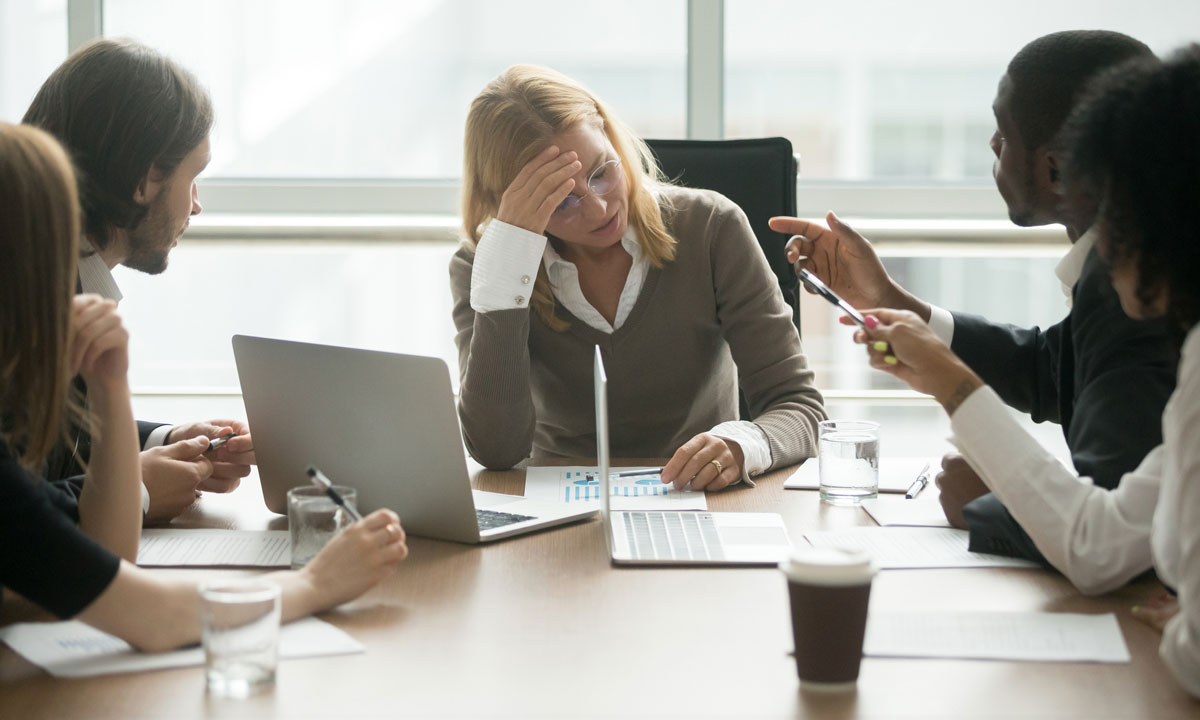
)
(564, 282)
(1070, 267)
(95, 277)
(550, 256)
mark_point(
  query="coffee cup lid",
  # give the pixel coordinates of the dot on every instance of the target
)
(829, 566)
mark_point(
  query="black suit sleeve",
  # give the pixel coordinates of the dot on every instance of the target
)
(43, 555)
(1104, 376)
(1020, 364)
(144, 430)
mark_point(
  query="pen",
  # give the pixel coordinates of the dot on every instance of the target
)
(214, 444)
(918, 484)
(629, 473)
(318, 478)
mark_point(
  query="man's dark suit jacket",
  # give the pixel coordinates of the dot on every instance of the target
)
(65, 473)
(1103, 376)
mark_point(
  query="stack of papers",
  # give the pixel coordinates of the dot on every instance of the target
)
(215, 548)
(1035, 636)
(894, 510)
(896, 474)
(74, 649)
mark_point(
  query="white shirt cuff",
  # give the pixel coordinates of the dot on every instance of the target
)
(145, 500)
(753, 441)
(941, 322)
(505, 268)
(158, 436)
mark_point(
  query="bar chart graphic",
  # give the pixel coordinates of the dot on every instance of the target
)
(581, 484)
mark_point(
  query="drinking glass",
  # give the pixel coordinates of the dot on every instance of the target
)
(848, 453)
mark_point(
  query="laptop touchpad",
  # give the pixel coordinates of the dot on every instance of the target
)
(747, 535)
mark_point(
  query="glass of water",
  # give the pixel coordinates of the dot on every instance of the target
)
(314, 520)
(848, 453)
(239, 626)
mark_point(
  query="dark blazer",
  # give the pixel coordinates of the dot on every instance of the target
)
(63, 471)
(1101, 375)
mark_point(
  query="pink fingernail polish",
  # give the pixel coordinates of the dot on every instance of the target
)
(872, 322)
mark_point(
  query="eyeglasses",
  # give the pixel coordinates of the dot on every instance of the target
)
(601, 182)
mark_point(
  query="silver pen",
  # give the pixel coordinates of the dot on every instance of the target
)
(918, 484)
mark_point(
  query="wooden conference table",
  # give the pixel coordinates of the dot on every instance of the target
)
(543, 626)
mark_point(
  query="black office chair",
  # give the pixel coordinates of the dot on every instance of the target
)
(758, 174)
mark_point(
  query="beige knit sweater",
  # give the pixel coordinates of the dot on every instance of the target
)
(708, 318)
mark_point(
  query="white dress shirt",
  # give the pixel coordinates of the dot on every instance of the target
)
(1068, 270)
(506, 264)
(1098, 538)
(96, 277)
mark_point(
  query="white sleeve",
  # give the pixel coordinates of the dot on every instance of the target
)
(941, 322)
(158, 436)
(753, 441)
(505, 267)
(1180, 647)
(1180, 524)
(1099, 539)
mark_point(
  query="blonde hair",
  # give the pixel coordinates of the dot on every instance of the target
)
(512, 120)
(39, 242)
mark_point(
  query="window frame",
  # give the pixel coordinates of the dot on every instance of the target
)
(705, 120)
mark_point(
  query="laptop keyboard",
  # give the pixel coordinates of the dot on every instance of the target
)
(490, 519)
(673, 536)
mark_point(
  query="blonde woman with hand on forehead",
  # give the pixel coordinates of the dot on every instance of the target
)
(574, 240)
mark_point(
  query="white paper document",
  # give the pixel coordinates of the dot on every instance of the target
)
(577, 484)
(214, 548)
(896, 510)
(896, 474)
(1030, 636)
(894, 548)
(74, 649)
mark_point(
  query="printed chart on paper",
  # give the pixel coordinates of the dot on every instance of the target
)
(578, 484)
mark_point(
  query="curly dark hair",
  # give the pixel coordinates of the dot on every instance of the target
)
(1133, 144)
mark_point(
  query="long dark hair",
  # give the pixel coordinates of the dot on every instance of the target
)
(120, 108)
(1133, 145)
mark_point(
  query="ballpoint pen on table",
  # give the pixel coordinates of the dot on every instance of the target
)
(628, 473)
(318, 478)
(919, 484)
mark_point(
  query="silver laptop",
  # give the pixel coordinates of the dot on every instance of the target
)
(382, 423)
(675, 537)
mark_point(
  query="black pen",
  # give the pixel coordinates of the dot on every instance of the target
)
(814, 283)
(918, 484)
(628, 473)
(318, 478)
(214, 444)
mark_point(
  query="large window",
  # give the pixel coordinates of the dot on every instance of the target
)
(33, 41)
(380, 89)
(901, 91)
(357, 106)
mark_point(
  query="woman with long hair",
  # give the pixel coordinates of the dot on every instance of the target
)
(1131, 150)
(573, 239)
(47, 336)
